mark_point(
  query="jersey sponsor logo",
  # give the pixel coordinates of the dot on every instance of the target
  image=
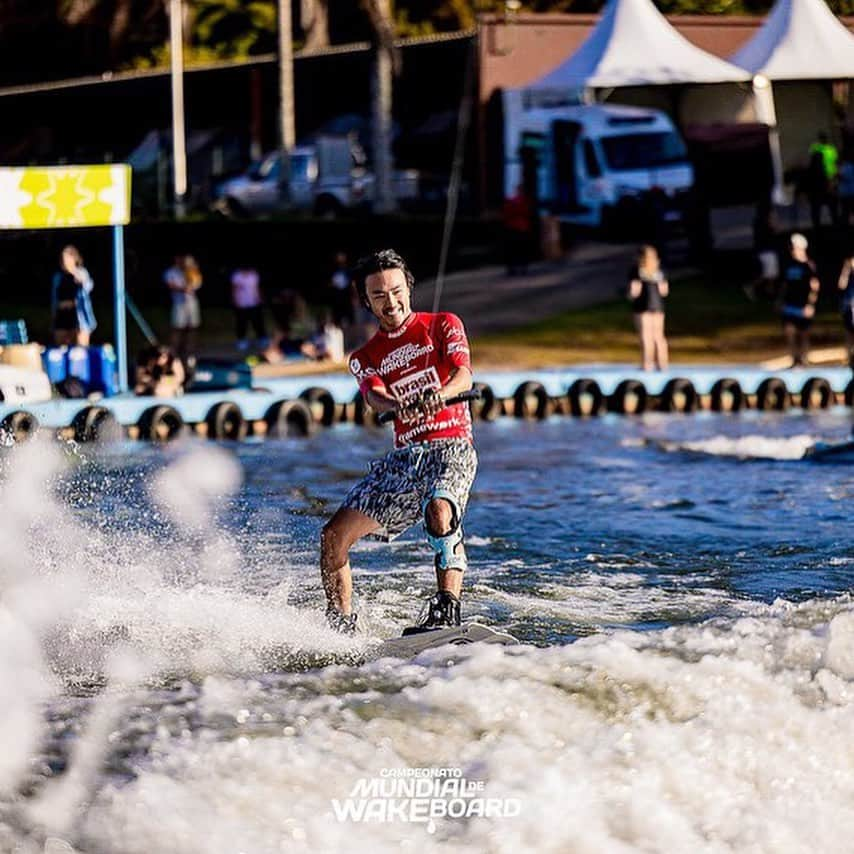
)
(403, 389)
(452, 331)
(355, 366)
(457, 347)
(403, 356)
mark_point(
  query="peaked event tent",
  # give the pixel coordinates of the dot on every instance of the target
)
(800, 40)
(633, 44)
(800, 44)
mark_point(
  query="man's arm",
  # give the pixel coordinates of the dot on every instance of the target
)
(815, 287)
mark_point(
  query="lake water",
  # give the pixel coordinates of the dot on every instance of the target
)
(686, 683)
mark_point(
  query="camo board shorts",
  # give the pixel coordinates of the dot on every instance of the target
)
(396, 487)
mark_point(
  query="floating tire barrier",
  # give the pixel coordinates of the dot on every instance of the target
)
(289, 418)
(772, 395)
(629, 398)
(727, 395)
(486, 407)
(96, 424)
(679, 395)
(225, 421)
(160, 424)
(363, 415)
(849, 394)
(530, 400)
(322, 405)
(585, 398)
(19, 425)
(816, 394)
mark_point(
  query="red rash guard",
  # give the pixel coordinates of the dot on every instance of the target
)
(421, 354)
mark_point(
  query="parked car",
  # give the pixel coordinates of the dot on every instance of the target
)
(327, 177)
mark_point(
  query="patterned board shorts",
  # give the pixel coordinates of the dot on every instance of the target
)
(394, 490)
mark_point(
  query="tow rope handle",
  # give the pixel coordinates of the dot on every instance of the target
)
(472, 394)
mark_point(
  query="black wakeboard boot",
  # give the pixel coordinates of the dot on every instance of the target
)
(441, 612)
(345, 624)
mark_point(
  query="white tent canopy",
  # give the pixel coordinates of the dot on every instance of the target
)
(800, 40)
(633, 44)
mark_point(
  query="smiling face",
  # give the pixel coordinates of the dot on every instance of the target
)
(388, 298)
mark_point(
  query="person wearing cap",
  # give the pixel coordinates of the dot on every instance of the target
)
(798, 298)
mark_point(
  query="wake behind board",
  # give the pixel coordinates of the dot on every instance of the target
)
(411, 645)
(831, 452)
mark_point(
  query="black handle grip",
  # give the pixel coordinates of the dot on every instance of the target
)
(472, 394)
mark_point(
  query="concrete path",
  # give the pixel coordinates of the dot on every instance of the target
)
(491, 301)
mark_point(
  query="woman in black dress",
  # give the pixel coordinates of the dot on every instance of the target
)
(648, 289)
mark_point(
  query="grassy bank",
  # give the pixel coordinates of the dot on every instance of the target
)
(708, 320)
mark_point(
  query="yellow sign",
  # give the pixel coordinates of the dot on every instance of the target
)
(64, 196)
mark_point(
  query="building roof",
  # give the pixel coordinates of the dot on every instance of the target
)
(633, 44)
(800, 40)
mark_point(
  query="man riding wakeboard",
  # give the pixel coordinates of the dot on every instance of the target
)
(413, 364)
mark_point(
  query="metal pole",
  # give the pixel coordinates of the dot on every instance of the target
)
(119, 309)
(766, 113)
(384, 201)
(179, 141)
(287, 129)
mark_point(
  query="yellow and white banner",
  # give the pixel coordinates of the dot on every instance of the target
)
(64, 196)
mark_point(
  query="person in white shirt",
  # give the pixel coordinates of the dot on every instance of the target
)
(248, 307)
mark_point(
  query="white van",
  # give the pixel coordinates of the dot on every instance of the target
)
(596, 162)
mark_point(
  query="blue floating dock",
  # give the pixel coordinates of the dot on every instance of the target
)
(524, 393)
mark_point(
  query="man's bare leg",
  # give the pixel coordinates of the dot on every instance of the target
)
(339, 533)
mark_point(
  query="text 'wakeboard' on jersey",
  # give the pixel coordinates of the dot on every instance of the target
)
(421, 354)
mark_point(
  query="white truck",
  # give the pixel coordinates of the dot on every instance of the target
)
(326, 178)
(596, 164)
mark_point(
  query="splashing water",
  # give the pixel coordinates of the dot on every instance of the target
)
(162, 647)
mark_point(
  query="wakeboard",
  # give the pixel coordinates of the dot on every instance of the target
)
(411, 645)
(831, 452)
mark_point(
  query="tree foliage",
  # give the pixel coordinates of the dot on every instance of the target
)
(50, 38)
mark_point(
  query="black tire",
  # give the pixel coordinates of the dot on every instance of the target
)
(816, 394)
(727, 395)
(363, 415)
(160, 424)
(289, 418)
(20, 425)
(322, 405)
(71, 388)
(849, 394)
(772, 395)
(679, 395)
(585, 398)
(484, 408)
(96, 424)
(327, 206)
(225, 421)
(530, 400)
(629, 398)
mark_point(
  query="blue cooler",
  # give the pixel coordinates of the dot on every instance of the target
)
(55, 363)
(78, 365)
(13, 332)
(103, 370)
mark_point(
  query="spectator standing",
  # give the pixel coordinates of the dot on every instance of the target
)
(248, 307)
(765, 246)
(517, 216)
(798, 298)
(846, 285)
(184, 279)
(846, 188)
(72, 314)
(822, 173)
(648, 288)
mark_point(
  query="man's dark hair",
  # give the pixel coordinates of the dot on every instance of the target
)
(376, 262)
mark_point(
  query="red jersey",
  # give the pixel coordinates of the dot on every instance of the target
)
(421, 354)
